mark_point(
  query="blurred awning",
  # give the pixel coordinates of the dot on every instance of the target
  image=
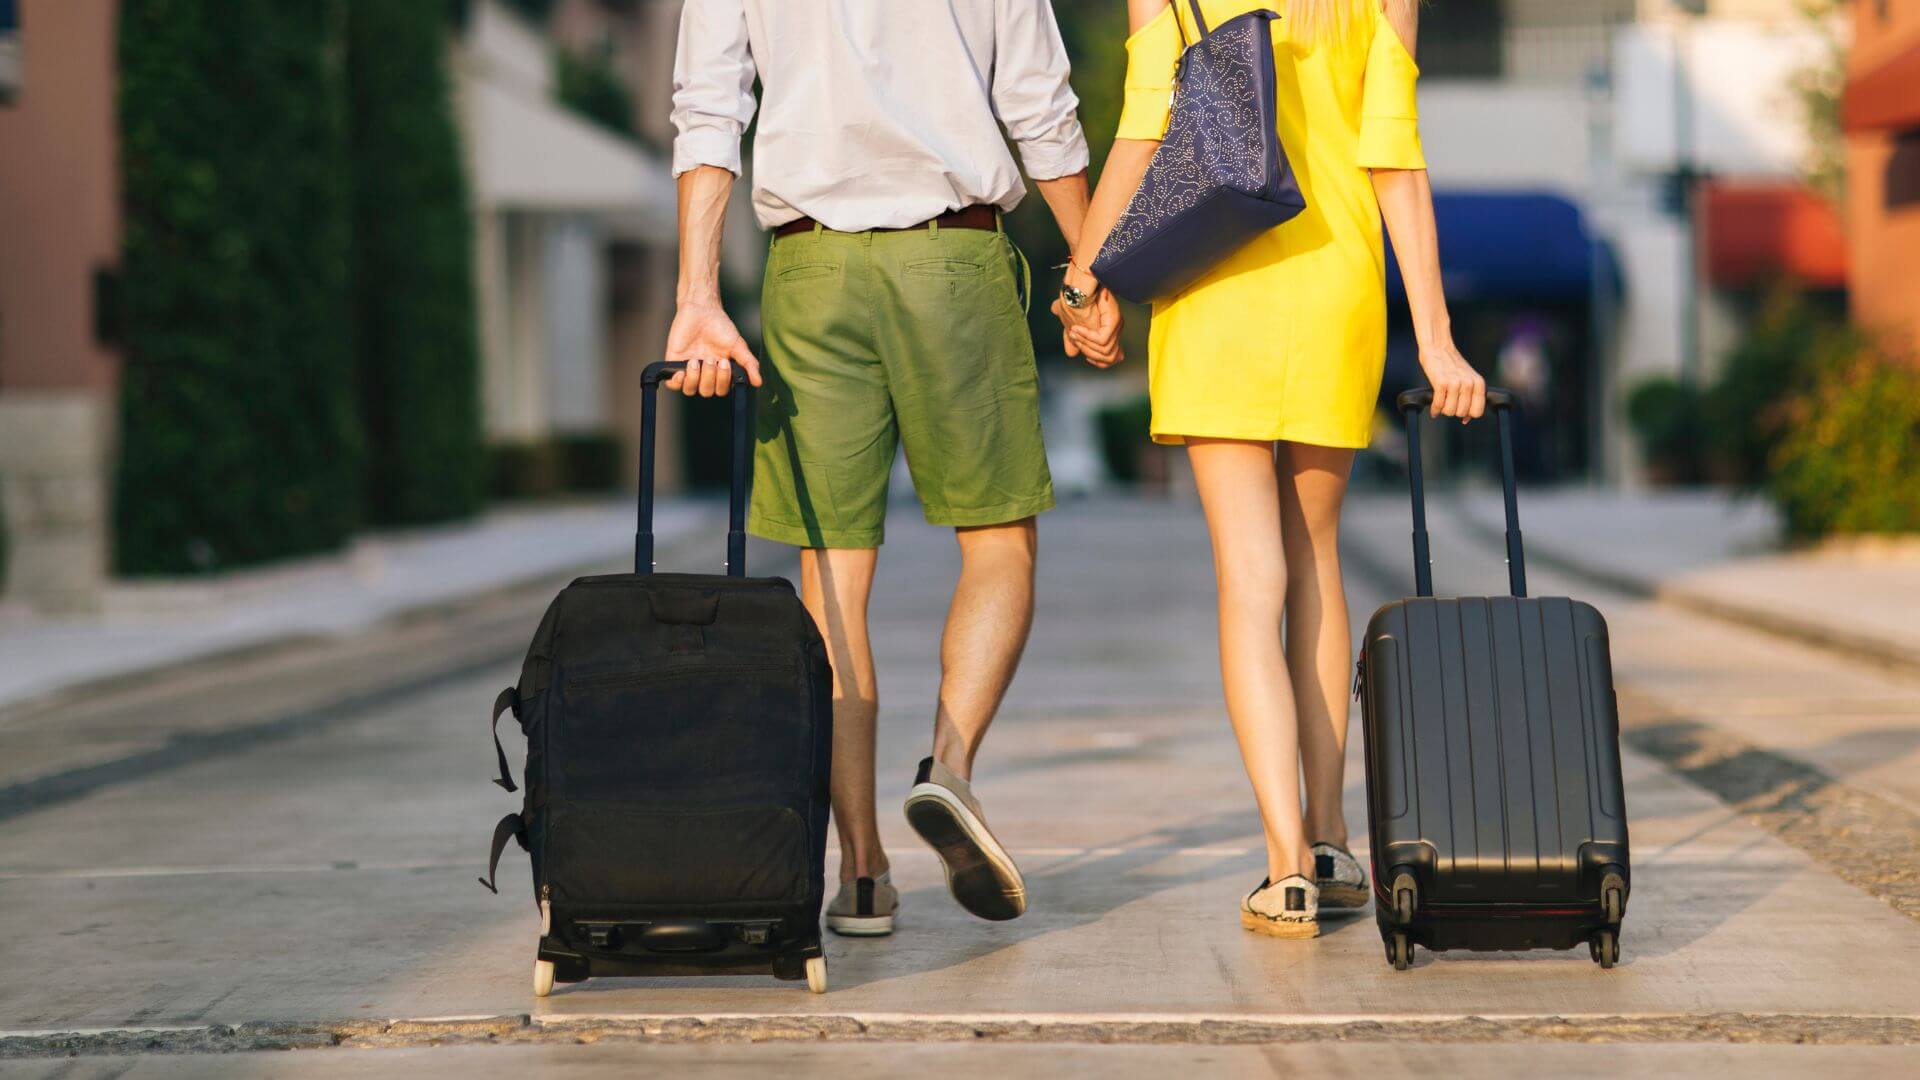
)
(528, 154)
(1751, 232)
(1887, 96)
(1512, 246)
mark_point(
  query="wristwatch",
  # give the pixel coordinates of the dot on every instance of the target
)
(1073, 297)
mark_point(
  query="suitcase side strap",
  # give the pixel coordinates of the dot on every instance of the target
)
(508, 699)
(508, 827)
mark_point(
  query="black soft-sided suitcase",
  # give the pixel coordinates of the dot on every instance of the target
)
(679, 731)
(1494, 794)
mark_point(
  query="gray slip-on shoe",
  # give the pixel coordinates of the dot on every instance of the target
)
(865, 907)
(1288, 908)
(980, 873)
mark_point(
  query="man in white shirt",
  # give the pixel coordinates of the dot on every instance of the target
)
(894, 312)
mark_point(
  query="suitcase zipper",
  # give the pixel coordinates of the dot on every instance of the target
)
(1359, 675)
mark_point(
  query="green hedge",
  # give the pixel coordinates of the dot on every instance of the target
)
(1849, 460)
(239, 437)
(413, 285)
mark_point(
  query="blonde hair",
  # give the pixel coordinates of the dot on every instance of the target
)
(1313, 20)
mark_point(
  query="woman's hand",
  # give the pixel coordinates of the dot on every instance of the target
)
(1092, 331)
(1458, 390)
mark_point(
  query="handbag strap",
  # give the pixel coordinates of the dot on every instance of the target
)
(1199, 20)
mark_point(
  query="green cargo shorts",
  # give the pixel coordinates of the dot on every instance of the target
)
(878, 339)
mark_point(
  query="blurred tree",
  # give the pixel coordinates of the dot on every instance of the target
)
(1820, 89)
(1849, 457)
(413, 286)
(239, 435)
(589, 84)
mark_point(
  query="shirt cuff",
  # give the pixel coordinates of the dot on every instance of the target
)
(699, 146)
(1053, 156)
(1390, 142)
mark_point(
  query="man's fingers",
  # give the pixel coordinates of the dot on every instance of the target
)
(690, 379)
(749, 363)
(723, 377)
(1479, 398)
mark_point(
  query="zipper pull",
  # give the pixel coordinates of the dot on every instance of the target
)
(1359, 673)
(546, 910)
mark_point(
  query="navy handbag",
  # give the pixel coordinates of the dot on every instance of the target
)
(1220, 177)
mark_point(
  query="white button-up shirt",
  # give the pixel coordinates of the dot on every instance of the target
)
(876, 113)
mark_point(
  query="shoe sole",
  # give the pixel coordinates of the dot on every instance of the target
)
(980, 874)
(1292, 931)
(860, 925)
(1344, 896)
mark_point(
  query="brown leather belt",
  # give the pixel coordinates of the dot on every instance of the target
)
(977, 216)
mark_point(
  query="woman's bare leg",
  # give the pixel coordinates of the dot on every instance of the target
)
(1240, 493)
(1313, 485)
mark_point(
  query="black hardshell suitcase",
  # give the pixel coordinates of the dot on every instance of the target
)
(1494, 792)
(679, 733)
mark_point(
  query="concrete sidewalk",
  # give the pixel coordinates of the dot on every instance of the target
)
(324, 882)
(1719, 555)
(149, 625)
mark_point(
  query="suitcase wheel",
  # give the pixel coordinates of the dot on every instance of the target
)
(542, 978)
(817, 974)
(1399, 950)
(1613, 898)
(1406, 898)
(1605, 948)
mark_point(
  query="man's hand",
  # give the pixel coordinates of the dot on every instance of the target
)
(704, 337)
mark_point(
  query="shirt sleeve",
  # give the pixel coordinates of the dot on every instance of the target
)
(713, 75)
(1031, 95)
(1389, 114)
(1153, 52)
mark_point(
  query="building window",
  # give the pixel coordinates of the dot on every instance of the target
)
(1903, 171)
(9, 50)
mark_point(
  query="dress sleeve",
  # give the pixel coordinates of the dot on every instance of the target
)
(1389, 116)
(1152, 54)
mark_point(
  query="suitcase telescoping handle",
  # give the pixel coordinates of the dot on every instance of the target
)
(1412, 403)
(656, 373)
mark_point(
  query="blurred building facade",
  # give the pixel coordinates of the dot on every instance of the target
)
(575, 227)
(59, 232)
(1619, 127)
(1882, 121)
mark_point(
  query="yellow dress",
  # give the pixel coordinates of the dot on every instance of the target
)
(1286, 339)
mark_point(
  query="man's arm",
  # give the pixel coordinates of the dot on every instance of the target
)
(702, 334)
(712, 104)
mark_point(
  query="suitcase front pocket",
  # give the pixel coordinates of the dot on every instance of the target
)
(693, 735)
(615, 854)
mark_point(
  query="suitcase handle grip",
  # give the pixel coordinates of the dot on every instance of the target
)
(742, 394)
(1501, 402)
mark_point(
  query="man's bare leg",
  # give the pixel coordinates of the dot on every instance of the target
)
(835, 585)
(985, 634)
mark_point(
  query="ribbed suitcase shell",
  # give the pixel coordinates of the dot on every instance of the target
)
(1493, 768)
(1495, 802)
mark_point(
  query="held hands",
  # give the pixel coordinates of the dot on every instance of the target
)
(1458, 390)
(704, 337)
(1092, 331)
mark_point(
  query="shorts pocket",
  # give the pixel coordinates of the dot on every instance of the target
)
(945, 268)
(805, 271)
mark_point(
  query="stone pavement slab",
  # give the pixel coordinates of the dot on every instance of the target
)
(329, 876)
(935, 1061)
(149, 625)
(1713, 552)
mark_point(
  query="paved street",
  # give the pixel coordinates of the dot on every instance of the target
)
(308, 861)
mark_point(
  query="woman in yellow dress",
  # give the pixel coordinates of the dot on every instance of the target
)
(1268, 370)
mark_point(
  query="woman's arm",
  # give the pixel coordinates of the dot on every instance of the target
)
(1406, 205)
(1126, 166)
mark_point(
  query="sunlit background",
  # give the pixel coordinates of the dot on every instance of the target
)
(274, 276)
